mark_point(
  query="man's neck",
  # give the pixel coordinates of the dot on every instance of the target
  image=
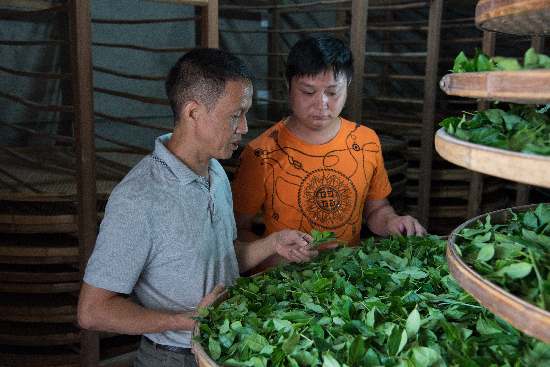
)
(312, 136)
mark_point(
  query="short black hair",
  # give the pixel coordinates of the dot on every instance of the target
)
(318, 53)
(202, 74)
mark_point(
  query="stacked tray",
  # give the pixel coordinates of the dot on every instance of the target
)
(524, 316)
(523, 86)
(521, 17)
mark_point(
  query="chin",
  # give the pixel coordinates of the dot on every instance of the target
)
(227, 155)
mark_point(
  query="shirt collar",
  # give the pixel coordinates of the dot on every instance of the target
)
(177, 167)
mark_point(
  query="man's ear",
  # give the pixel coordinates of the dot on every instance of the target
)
(192, 110)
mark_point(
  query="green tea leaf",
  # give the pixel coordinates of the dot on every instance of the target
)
(214, 348)
(256, 342)
(290, 344)
(516, 271)
(413, 323)
(396, 341)
(330, 361)
(486, 253)
(356, 351)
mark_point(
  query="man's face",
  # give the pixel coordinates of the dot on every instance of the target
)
(227, 121)
(317, 101)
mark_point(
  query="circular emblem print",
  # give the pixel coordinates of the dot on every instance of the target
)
(327, 198)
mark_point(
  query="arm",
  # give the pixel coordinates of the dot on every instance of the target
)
(244, 224)
(382, 220)
(244, 234)
(101, 309)
(290, 244)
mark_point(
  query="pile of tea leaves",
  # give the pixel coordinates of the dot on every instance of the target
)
(521, 128)
(481, 62)
(514, 255)
(391, 303)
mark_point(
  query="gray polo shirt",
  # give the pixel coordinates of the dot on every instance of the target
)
(167, 236)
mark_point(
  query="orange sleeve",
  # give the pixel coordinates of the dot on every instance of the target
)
(380, 186)
(248, 185)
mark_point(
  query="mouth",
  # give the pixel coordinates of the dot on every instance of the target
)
(320, 117)
(235, 145)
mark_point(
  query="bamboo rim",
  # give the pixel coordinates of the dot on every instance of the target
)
(524, 316)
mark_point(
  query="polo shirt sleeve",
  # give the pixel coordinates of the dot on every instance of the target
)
(248, 188)
(122, 247)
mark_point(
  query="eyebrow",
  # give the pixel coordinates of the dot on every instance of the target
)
(313, 86)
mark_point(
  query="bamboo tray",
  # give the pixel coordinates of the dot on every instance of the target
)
(202, 358)
(48, 174)
(37, 249)
(38, 308)
(521, 17)
(531, 169)
(18, 333)
(38, 188)
(520, 86)
(524, 316)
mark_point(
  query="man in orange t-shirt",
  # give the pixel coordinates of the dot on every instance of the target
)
(315, 169)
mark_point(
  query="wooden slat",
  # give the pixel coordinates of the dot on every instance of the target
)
(29, 4)
(32, 334)
(51, 308)
(520, 167)
(45, 288)
(428, 111)
(183, 2)
(25, 359)
(38, 274)
(357, 45)
(520, 86)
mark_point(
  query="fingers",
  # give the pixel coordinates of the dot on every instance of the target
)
(406, 226)
(300, 238)
(216, 291)
(308, 238)
(302, 255)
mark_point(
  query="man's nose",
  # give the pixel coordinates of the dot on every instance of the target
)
(322, 101)
(242, 126)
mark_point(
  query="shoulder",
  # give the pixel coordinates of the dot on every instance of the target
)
(145, 182)
(268, 137)
(353, 126)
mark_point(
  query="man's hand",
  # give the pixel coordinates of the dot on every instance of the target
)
(405, 226)
(294, 245)
(218, 289)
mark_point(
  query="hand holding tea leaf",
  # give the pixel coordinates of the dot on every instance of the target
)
(323, 237)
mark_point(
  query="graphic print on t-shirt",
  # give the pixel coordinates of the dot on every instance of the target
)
(327, 198)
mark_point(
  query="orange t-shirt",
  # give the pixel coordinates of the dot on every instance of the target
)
(302, 186)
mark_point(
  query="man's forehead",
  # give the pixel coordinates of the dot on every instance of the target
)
(327, 78)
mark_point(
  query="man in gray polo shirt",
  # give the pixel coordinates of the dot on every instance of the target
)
(168, 236)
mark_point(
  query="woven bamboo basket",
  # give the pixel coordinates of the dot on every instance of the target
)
(524, 316)
(521, 17)
(203, 359)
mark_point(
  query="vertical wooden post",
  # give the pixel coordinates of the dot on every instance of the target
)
(428, 113)
(81, 54)
(275, 64)
(358, 37)
(209, 24)
(475, 195)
